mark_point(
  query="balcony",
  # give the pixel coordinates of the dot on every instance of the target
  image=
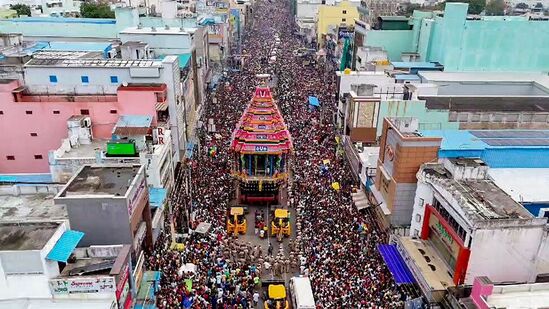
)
(20, 94)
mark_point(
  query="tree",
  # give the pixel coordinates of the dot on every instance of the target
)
(495, 8)
(96, 10)
(22, 9)
(475, 6)
(522, 6)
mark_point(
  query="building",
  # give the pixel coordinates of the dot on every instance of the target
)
(41, 257)
(464, 226)
(370, 10)
(110, 204)
(44, 116)
(402, 151)
(523, 185)
(496, 148)
(134, 140)
(463, 43)
(335, 17)
(441, 100)
(485, 294)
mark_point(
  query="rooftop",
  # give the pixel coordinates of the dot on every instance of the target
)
(523, 184)
(101, 180)
(481, 104)
(26, 236)
(479, 199)
(78, 46)
(55, 62)
(486, 77)
(30, 207)
(89, 265)
(63, 20)
(483, 139)
(535, 295)
(158, 30)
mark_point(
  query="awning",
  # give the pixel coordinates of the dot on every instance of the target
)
(314, 101)
(161, 106)
(65, 246)
(360, 200)
(398, 268)
(183, 60)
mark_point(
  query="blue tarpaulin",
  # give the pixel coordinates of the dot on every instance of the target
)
(314, 101)
(395, 263)
(65, 246)
(157, 196)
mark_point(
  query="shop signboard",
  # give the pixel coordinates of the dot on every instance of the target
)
(67, 286)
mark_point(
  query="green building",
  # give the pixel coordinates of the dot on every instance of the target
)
(461, 43)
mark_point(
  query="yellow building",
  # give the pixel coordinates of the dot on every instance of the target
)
(344, 13)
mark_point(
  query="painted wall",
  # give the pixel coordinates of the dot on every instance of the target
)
(172, 43)
(511, 249)
(52, 128)
(491, 44)
(333, 16)
(395, 42)
(428, 119)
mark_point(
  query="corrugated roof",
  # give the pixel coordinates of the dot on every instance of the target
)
(398, 268)
(132, 125)
(65, 246)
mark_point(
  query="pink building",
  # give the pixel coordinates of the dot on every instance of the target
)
(35, 124)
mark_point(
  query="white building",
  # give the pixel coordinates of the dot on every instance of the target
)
(152, 150)
(105, 76)
(464, 226)
(36, 271)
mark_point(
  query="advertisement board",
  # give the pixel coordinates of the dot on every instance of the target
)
(67, 286)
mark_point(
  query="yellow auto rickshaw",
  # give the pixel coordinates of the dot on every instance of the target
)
(236, 221)
(280, 225)
(276, 297)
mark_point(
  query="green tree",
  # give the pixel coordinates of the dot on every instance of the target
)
(475, 6)
(96, 10)
(495, 8)
(22, 9)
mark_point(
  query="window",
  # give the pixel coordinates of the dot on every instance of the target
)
(421, 202)
(56, 112)
(53, 79)
(34, 134)
(1, 112)
(114, 79)
(11, 158)
(114, 111)
(85, 79)
(84, 112)
(344, 11)
(38, 157)
(343, 20)
(418, 218)
(28, 112)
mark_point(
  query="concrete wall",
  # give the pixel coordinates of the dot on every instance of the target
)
(395, 42)
(333, 16)
(162, 43)
(104, 220)
(504, 254)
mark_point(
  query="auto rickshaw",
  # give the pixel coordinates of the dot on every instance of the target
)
(236, 222)
(280, 225)
(276, 297)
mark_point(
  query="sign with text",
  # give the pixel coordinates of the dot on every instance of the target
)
(136, 197)
(82, 285)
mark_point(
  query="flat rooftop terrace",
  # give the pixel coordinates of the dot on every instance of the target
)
(487, 104)
(101, 180)
(480, 199)
(30, 207)
(26, 236)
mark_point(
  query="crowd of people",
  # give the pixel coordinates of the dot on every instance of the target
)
(335, 243)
